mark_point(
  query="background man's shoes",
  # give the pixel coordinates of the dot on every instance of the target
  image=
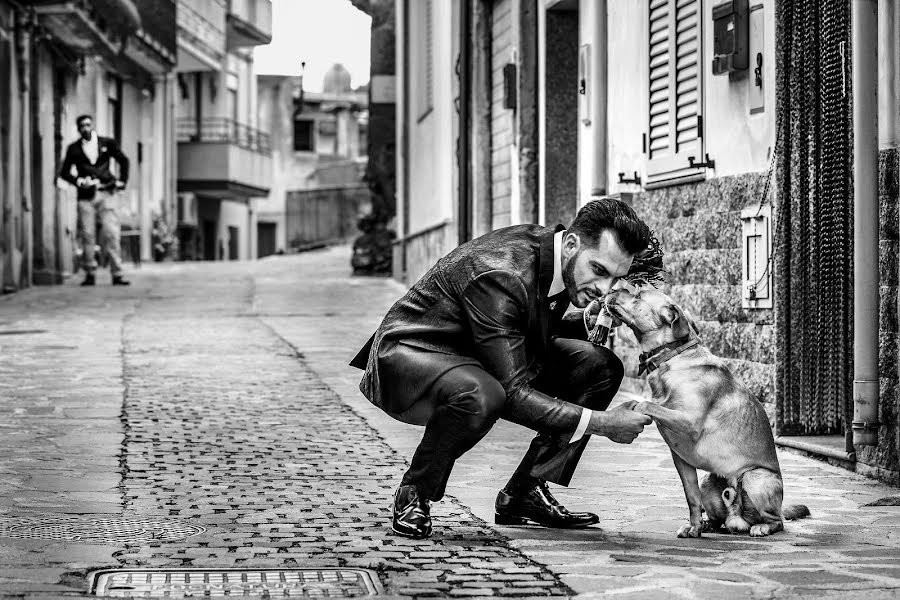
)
(538, 506)
(118, 280)
(89, 280)
(412, 514)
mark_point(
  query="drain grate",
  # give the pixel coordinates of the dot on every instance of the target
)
(266, 583)
(97, 530)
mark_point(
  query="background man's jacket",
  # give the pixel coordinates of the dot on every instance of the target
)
(485, 303)
(108, 149)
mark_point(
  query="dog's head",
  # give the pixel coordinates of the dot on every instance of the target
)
(756, 499)
(654, 317)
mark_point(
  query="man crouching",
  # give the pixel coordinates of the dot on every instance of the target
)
(482, 336)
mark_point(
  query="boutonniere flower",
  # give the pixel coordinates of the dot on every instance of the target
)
(102, 148)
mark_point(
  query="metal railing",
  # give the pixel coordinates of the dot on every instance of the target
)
(221, 130)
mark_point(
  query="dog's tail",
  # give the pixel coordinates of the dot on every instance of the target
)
(794, 511)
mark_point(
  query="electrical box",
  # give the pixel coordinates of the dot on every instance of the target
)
(756, 93)
(756, 257)
(730, 48)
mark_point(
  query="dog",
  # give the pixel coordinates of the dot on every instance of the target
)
(709, 420)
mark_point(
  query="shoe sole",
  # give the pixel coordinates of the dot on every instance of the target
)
(413, 536)
(513, 520)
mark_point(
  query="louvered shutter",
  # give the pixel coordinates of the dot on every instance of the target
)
(674, 122)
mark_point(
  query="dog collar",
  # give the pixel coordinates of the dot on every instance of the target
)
(650, 361)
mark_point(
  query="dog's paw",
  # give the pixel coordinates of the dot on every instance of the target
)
(707, 526)
(761, 530)
(689, 531)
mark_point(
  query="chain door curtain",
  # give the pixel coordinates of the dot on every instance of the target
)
(814, 239)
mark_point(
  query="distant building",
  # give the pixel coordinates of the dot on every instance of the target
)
(224, 157)
(319, 143)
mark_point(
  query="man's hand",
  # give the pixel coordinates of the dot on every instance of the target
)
(620, 424)
(86, 182)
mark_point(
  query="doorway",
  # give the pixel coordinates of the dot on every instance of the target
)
(561, 88)
(265, 239)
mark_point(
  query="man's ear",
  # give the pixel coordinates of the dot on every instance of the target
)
(571, 243)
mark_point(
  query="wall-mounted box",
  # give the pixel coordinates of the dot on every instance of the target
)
(756, 91)
(756, 257)
(730, 47)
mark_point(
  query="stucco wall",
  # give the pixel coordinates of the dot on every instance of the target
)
(739, 142)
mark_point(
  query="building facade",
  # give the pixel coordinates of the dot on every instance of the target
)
(729, 126)
(58, 60)
(224, 160)
(319, 142)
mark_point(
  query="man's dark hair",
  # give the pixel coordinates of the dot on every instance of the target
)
(633, 235)
(81, 118)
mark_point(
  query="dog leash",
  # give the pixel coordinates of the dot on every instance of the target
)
(652, 360)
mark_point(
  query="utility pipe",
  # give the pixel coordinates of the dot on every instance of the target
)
(864, 30)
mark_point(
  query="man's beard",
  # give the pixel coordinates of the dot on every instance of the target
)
(569, 279)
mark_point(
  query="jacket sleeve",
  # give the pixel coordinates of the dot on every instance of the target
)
(65, 171)
(120, 157)
(495, 305)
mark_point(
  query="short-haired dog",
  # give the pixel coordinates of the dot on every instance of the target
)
(709, 419)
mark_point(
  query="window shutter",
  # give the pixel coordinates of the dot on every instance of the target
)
(674, 132)
(425, 71)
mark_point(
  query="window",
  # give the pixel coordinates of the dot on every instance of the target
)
(423, 57)
(113, 108)
(674, 126)
(304, 132)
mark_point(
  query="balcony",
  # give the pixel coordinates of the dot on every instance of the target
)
(154, 46)
(222, 158)
(95, 27)
(201, 35)
(249, 23)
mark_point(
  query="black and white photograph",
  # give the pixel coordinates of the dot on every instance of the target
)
(413, 299)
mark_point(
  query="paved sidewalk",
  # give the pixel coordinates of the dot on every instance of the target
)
(218, 396)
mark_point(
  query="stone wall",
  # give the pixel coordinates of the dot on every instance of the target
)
(699, 227)
(883, 459)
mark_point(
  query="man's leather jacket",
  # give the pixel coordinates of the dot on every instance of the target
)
(484, 303)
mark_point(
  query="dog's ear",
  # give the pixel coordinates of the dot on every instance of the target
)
(680, 322)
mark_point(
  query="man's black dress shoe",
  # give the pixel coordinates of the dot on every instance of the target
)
(89, 280)
(118, 280)
(412, 514)
(538, 506)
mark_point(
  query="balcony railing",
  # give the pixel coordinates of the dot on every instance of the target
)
(221, 130)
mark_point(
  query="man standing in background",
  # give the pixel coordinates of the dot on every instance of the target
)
(97, 187)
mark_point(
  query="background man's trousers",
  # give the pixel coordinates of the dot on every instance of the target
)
(102, 207)
(466, 401)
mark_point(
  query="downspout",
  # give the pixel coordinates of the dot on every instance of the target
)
(864, 35)
(464, 140)
(404, 139)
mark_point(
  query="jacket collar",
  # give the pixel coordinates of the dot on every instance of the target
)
(547, 258)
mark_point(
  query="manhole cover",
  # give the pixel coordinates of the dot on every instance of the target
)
(267, 583)
(97, 530)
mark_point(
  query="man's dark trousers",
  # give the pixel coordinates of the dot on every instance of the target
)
(466, 401)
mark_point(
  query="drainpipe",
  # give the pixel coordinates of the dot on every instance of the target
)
(864, 23)
(463, 152)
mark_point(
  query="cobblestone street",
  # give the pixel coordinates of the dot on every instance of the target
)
(214, 400)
